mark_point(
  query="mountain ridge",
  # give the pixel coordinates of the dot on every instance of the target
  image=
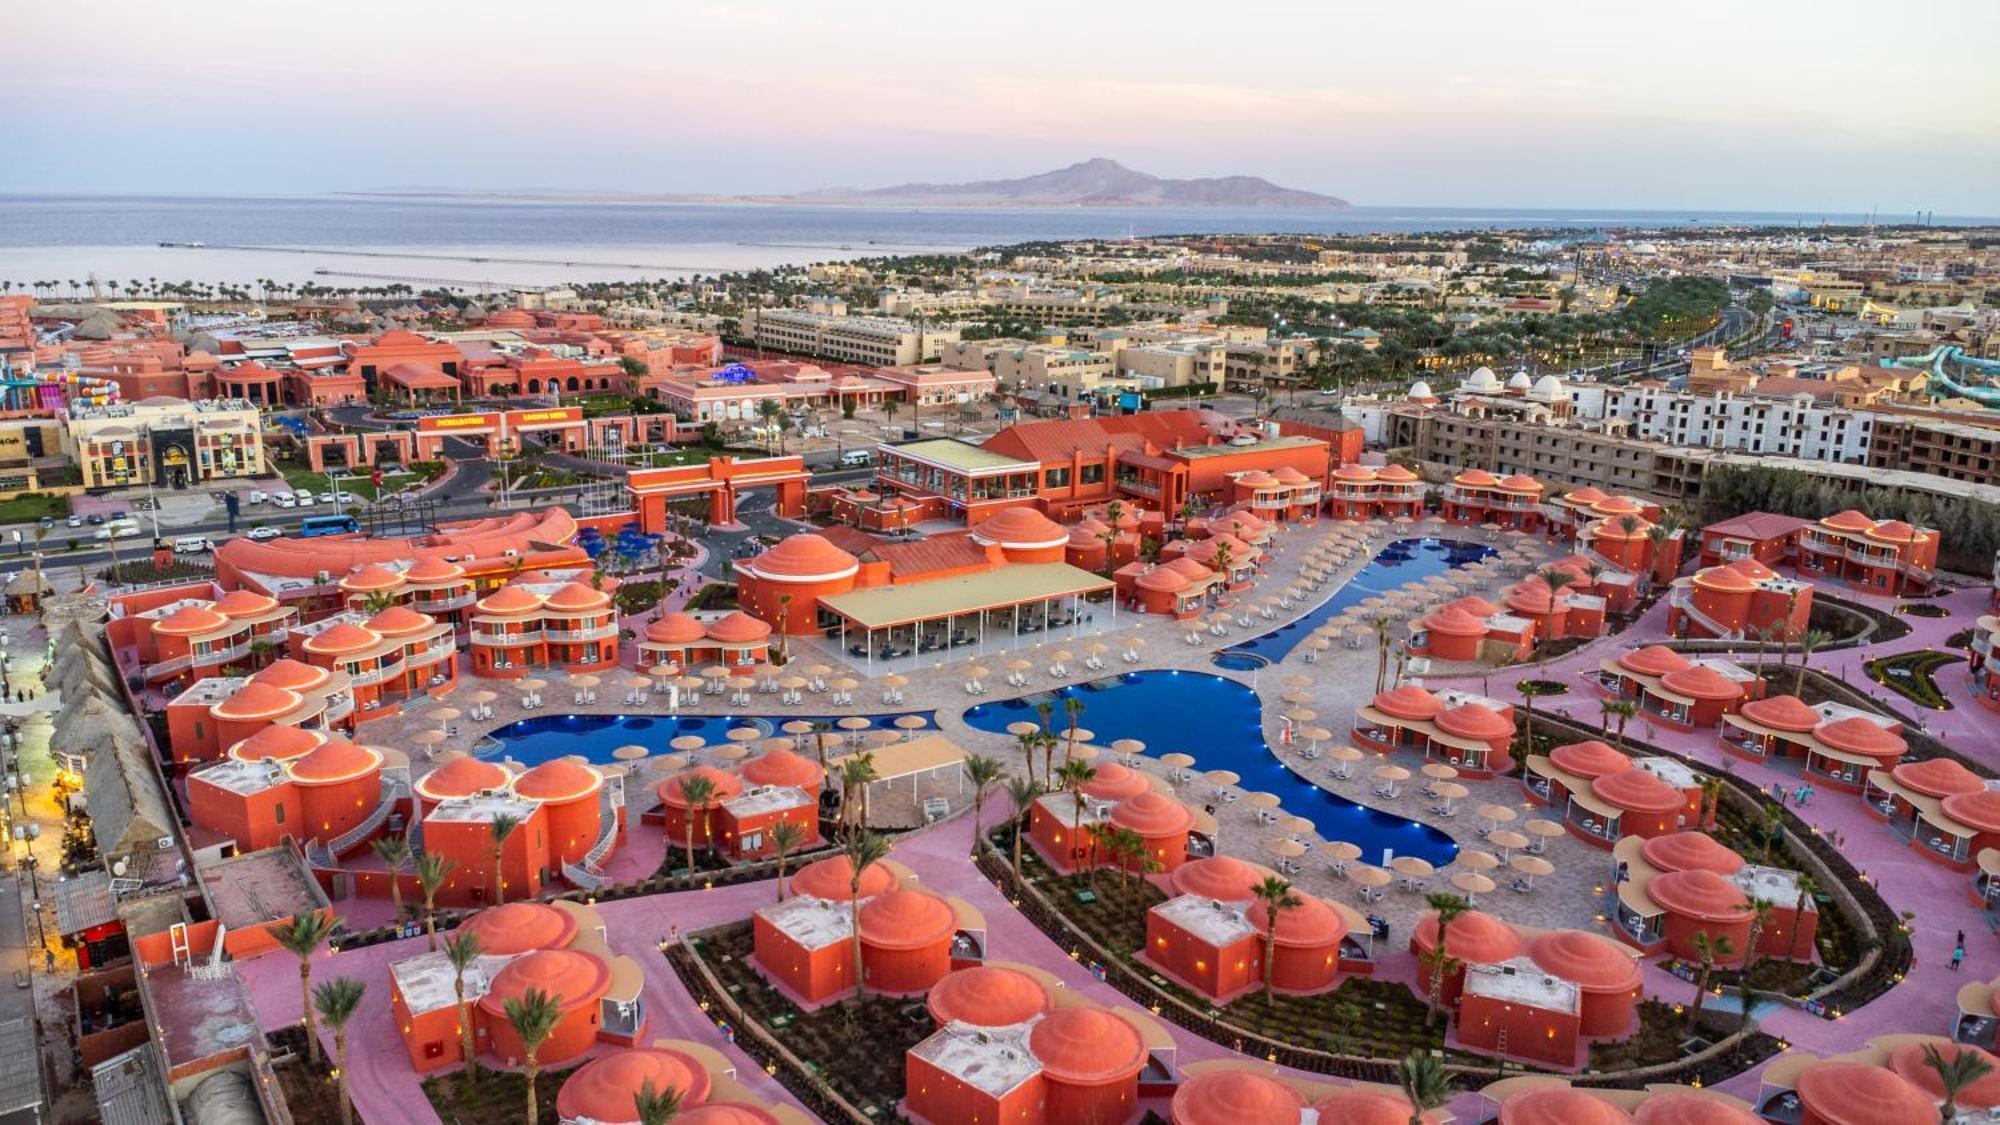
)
(1097, 182)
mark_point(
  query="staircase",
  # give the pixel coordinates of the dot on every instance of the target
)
(1682, 600)
(392, 793)
(586, 875)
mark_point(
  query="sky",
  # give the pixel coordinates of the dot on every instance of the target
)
(1833, 105)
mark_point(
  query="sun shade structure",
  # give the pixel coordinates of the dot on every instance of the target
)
(1013, 585)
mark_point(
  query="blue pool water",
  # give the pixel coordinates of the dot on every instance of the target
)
(536, 740)
(1217, 720)
(1405, 560)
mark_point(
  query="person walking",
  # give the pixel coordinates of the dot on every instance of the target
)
(1957, 956)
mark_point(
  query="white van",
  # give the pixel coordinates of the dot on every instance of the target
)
(854, 458)
(193, 545)
(303, 498)
(285, 500)
(118, 529)
(257, 496)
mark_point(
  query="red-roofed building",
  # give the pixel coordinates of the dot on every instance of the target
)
(1771, 539)
(1886, 557)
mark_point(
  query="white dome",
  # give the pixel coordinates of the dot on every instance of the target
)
(1549, 388)
(1482, 380)
(1519, 381)
(1421, 389)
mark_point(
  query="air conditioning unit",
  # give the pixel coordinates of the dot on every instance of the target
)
(164, 843)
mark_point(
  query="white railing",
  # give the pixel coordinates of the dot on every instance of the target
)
(392, 792)
(376, 675)
(586, 874)
(212, 656)
(435, 605)
(524, 637)
(1682, 600)
(431, 653)
(594, 633)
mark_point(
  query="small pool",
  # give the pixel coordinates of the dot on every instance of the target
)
(1405, 560)
(1218, 721)
(535, 740)
(1238, 661)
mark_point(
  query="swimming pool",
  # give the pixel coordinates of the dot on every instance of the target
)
(1218, 721)
(535, 740)
(1405, 560)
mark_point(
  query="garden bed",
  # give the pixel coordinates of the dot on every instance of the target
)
(1923, 609)
(1913, 675)
(495, 1096)
(311, 1092)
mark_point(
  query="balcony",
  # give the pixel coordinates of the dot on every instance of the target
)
(445, 604)
(377, 675)
(208, 659)
(508, 640)
(430, 653)
(594, 633)
(338, 707)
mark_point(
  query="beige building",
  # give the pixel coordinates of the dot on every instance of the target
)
(166, 441)
(1566, 455)
(878, 341)
(1016, 365)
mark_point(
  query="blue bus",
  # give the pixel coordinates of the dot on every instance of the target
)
(313, 526)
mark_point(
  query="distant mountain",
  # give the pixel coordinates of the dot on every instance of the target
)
(1092, 183)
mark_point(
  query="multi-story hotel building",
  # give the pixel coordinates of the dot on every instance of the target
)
(166, 441)
(874, 340)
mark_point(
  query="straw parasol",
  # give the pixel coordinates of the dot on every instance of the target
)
(735, 753)
(1297, 825)
(1128, 746)
(818, 669)
(1533, 866)
(1078, 736)
(1345, 754)
(772, 745)
(446, 714)
(1297, 681)
(845, 683)
(1301, 715)
(1083, 754)
(1023, 726)
(910, 722)
(429, 737)
(481, 696)
(797, 726)
(1543, 828)
(1369, 876)
(1478, 861)
(715, 672)
(1391, 773)
(1177, 760)
(883, 737)
(743, 683)
(1451, 791)
(1263, 800)
(584, 680)
(853, 722)
(1314, 736)
(1284, 847)
(1498, 814)
(1298, 697)
(1221, 777)
(1097, 648)
(1019, 665)
(744, 734)
(1439, 770)
(688, 743)
(669, 762)
(662, 671)
(1340, 851)
(1507, 839)
(1319, 644)
(629, 753)
(1062, 656)
(1416, 867)
(895, 680)
(1472, 883)
(977, 671)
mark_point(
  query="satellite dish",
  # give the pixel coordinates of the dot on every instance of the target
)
(118, 867)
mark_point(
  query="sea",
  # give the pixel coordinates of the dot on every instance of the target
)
(476, 244)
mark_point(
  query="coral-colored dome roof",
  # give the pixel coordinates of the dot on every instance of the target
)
(1238, 1097)
(1475, 937)
(1589, 759)
(1256, 478)
(245, 603)
(1310, 925)
(1531, 596)
(1702, 682)
(1653, 660)
(1691, 851)
(1684, 1107)
(1637, 791)
(988, 996)
(334, 760)
(1723, 579)
(1223, 878)
(1559, 1105)
(1615, 528)
(276, 743)
(1908, 1061)
(1409, 702)
(1454, 622)
(1476, 478)
(434, 570)
(727, 785)
(1364, 1107)
(1892, 531)
(1395, 473)
(1163, 580)
(1782, 712)
(1753, 570)
(558, 779)
(1593, 961)
(1584, 495)
(1475, 720)
(726, 1113)
(1858, 735)
(907, 919)
(1089, 534)
(1152, 815)
(399, 621)
(738, 628)
(400, 338)
(370, 579)
(1616, 506)
(1979, 810)
(1087, 1047)
(1354, 473)
(509, 599)
(1849, 520)
(342, 637)
(1937, 777)
(603, 1089)
(520, 927)
(1851, 1093)
(190, 620)
(462, 777)
(1521, 482)
(576, 597)
(1114, 782)
(292, 675)
(675, 629)
(783, 767)
(1702, 895)
(1475, 605)
(832, 878)
(1019, 527)
(511, 318)
(1187, 568)
(256, 700)
(571, 976)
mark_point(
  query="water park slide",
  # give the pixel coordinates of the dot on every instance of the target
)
(1939, 361)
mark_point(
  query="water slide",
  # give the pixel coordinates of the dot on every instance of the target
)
(53, 389)
(1939, 361)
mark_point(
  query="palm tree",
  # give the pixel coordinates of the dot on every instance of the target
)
(786, 835)
(1774, 822)
(1026, 742)
(301, 937)
(983, 773)
(863, 849)
(1711, 800)
(1530, 690)
(534, 1015)
(855, 775)
(376, 602)
(462, 949)
(1807, 889)
(1762, 911)
(432, 870)
(1810, 641)
(654, 1106)
(1043, 710)
(394, 852)
(1557, 579)
(1277, 897)
(1072, 711)
(1623, 710)
(1962, 1069)
(1708, 949)
(1425, 1083)
(336, 1001)
(784, 654)
(1074, 776)
(503, 827)
(1381, 653)
(1022, 791)
(1048, 742)
(697, 791)
(1448, 908)
(820, 729)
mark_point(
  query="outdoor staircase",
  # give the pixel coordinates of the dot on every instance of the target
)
(586, 875)
(1680, 599)
(393, 792)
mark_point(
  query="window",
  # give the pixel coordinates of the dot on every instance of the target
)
(1092, 474)
(1056, 478)
(278, 813)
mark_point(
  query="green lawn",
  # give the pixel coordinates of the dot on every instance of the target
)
(361, 486)
(31, 506)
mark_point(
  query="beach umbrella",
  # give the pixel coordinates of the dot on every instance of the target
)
(1263, 800)
(819, 670)
(883, 737)
(1340, 851)
(1083, 754)
(584, 680)
(1345, 754)
(1096, 648)
(797, 726)
(895, 680)
(688, 743)
(1130, 747)
(663, 671)
(1319, 644)
(773, 745)
(430, 737)
(1301, 715)
(792, 683)
(1314, 736)
(1284, 847)
(845, 683)
(1019, 665)
(1369, 876)
(1023, 726)
(744, 734)
(1416, 867)
(1478, 861)
(1543, 831)
(667, 762)
(1296, 680)
(1499, 814)
(1473, 884)
(1391, 773)
(629, 753)
(1532, 866)
(1439, 770)
(1062, 656)
(1507, 839)
(1177, 760)
(446, 714)
(734, 753)
(1297, 825)
(1221, 777)
(977, 671)
(910, 722)
(1449, 791)
(482, 696)
(1298, 697)
(1079, 735)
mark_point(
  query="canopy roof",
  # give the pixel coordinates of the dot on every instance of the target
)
(1011, 585)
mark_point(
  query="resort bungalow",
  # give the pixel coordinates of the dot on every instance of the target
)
(1887, 557)
(1217, 947)
(1469, 732)
(1675, 691)
(805, 945)
(1475, 497)
(1738, 600)
(1359, 493)
(1913, 798)
(1516, 1009)
(1835, 745)
(1670, 888)
(1076, 1063)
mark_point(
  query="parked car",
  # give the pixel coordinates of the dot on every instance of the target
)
(193, 544)
(304, 498)
(118, 529)
(284, 500)
(96, 518)
(76, 521)
(260, 534)
(257, 496)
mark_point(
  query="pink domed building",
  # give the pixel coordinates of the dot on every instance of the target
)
(1090, 1063)
(1474, 938)
(1240, 1097)
(1606, 974)
(906, 940)
(578, 980)
(568, 792)
(988, 996)
(602, 1091)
